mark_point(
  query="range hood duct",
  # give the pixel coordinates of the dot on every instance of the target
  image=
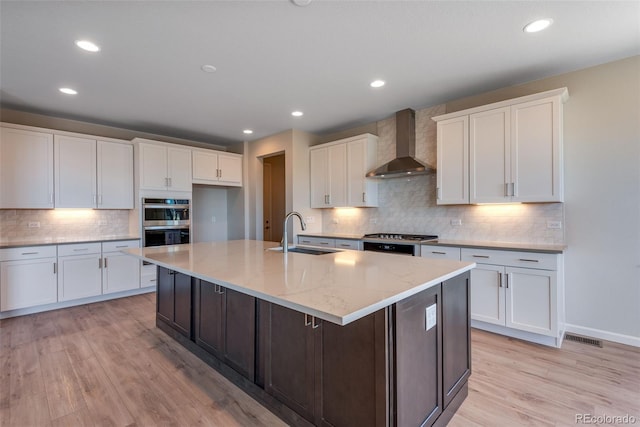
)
(405, 162)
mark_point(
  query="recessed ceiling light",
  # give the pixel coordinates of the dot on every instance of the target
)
(87, 45)
(538, 25)
(247, 131)
(377, 83)
(297, 113)
(68, 91)
(208, 68)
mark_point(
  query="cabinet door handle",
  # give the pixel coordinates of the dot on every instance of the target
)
(499, 280)
(30, 253)
(220, 173)
(528, 260)
(104, 263)
(514, 190)
(481, 256)
(439, 253)
(55, 268)
(307, 322)
(170, 183)
(99, 262)
(506, 189)
(51, 198)
(95, 199)
(506, 276)
(314, 324)
(438, 193)
(364, 197)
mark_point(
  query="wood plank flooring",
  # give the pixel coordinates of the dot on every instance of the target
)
(106, 364)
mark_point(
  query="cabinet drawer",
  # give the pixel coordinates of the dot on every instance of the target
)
(117, 246)
(347, 244)
(27, 252)
(79, 249)
(540, 261)
(316, 241)
(440, 252)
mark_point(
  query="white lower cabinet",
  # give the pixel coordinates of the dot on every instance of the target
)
(120, 272)
(28, 277)
(52, 275)
(79, 269)
(505, 293)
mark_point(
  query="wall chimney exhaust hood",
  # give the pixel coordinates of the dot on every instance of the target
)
(405, 162)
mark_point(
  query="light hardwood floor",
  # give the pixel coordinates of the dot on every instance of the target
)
(106, 364)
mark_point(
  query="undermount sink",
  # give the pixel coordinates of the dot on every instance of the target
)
(305, 250)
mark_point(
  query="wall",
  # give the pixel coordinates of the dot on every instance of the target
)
(602, 199)
(294, 144)
(209, 213)
(62, 223)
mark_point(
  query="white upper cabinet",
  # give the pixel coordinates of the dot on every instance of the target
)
(328, 170)
(362, 155)
(217, 168)
(93, 174)
(164, 166)
(75, 172)
(26, 169)
(337, 173)
(489, 151)
(115, 175)
(514, 151)
(452, 172)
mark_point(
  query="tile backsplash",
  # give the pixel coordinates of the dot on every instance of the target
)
(20, 224)
(408, 205)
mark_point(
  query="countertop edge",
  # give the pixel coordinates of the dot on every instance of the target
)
(500, 246)
(24, 243)
(342, 321)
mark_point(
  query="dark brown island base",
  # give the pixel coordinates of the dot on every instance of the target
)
(406, 364)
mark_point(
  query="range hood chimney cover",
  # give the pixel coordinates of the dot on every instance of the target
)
(405, 162)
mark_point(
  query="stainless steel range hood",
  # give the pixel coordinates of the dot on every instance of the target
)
(405, 162)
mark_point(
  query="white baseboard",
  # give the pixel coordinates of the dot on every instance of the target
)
(522, 335)
(603, 335)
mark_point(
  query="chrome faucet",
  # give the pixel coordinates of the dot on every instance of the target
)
(285, 240)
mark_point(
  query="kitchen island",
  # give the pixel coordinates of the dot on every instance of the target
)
(344, 338)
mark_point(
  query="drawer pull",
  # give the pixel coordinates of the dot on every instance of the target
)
(30, 253)
(324, 243)
(306, 241)
(152, 280)
(81, 250)
(528, 260)
(438, 252)
(481, 256)
(121, 246)
(345, 245)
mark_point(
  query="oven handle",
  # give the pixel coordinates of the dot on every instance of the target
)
(167, 227)
(166, 206)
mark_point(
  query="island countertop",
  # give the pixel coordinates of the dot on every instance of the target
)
(339, 287)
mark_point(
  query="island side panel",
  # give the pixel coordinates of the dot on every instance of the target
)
(456, 335)
(417, 361)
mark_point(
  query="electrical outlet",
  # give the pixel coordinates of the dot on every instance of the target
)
(431, 316)
(456, 222)
(34, 224)
(310, 219)
(554, 224)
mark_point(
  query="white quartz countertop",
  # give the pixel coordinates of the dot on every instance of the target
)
(339, 287)
(44, 241)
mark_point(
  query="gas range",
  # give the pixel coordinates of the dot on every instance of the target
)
(405, 238)
(405, 244)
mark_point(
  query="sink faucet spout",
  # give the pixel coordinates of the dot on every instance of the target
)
(285, 240)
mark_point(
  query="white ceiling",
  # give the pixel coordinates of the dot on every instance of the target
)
(273, 57)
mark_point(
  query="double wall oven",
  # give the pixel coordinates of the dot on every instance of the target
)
(395, 243)
(166, 221)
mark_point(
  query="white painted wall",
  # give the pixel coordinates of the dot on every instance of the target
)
(209, 214)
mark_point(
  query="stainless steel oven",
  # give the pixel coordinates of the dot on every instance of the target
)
(166, 221)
